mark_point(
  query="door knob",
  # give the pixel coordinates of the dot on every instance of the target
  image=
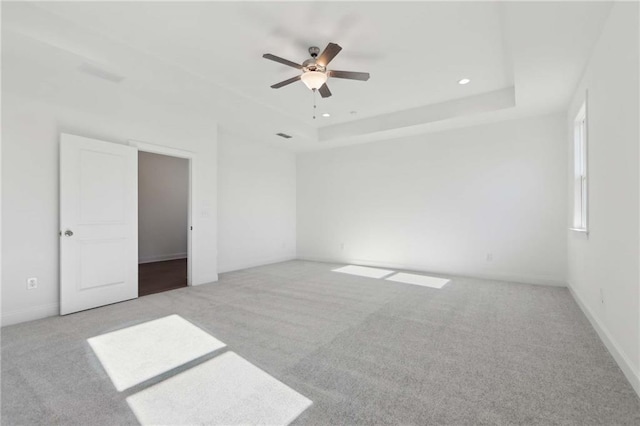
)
(68, 233)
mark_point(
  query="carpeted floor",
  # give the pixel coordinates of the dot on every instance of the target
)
(364, 350)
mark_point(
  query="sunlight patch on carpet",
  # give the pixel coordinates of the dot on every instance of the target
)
(138, 353)
(421, 280)
(226, 390)
(364, 271)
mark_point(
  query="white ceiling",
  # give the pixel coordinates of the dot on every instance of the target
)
(209, 55)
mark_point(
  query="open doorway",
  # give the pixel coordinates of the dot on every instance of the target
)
(163, 222)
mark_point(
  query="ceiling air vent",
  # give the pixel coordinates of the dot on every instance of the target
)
(284, 135)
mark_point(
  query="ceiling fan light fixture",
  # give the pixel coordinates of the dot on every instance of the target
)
(314, 70)
(314, 79)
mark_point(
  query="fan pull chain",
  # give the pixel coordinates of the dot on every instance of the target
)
(314, 104)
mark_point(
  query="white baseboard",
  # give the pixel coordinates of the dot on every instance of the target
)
(206, 280)
(162, 257)
(49, 310)
(252, 263)
(623, 361)
(30, 314)
(513, 278)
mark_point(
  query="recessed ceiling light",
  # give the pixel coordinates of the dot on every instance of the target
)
(464, 81)
(326, 114)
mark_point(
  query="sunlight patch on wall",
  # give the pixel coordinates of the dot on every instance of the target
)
(226, 390)
(421, 280)
(364, 271)
(138, 353)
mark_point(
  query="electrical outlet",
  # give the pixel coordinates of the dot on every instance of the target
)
(32, 283)
(489, 257)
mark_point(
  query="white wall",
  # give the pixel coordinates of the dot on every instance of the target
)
(163, 197)
(256, 203)
(36, 107)
(442, 202)
(607, 260)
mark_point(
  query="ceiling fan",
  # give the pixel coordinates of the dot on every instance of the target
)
(314, 70)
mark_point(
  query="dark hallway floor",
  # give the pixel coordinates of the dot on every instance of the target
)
(157, 277)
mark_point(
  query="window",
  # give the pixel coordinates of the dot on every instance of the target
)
(580, 171)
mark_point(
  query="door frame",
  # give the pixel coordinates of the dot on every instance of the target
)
(190, 157)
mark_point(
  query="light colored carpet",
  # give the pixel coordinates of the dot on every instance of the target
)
(415, 279)
(226, 390)
(363, 350)
(141, 352)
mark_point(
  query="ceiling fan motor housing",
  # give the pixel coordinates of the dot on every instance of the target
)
(310, 64)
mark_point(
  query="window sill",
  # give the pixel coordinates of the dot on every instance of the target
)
(580, 230)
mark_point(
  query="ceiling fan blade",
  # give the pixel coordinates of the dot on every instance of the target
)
(284, 83)
(351, 75)
(282, 60)
(328, 54)
(324, 91)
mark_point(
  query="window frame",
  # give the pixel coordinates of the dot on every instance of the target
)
(580, 219)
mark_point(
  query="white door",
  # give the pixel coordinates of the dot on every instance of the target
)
(98, 223)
